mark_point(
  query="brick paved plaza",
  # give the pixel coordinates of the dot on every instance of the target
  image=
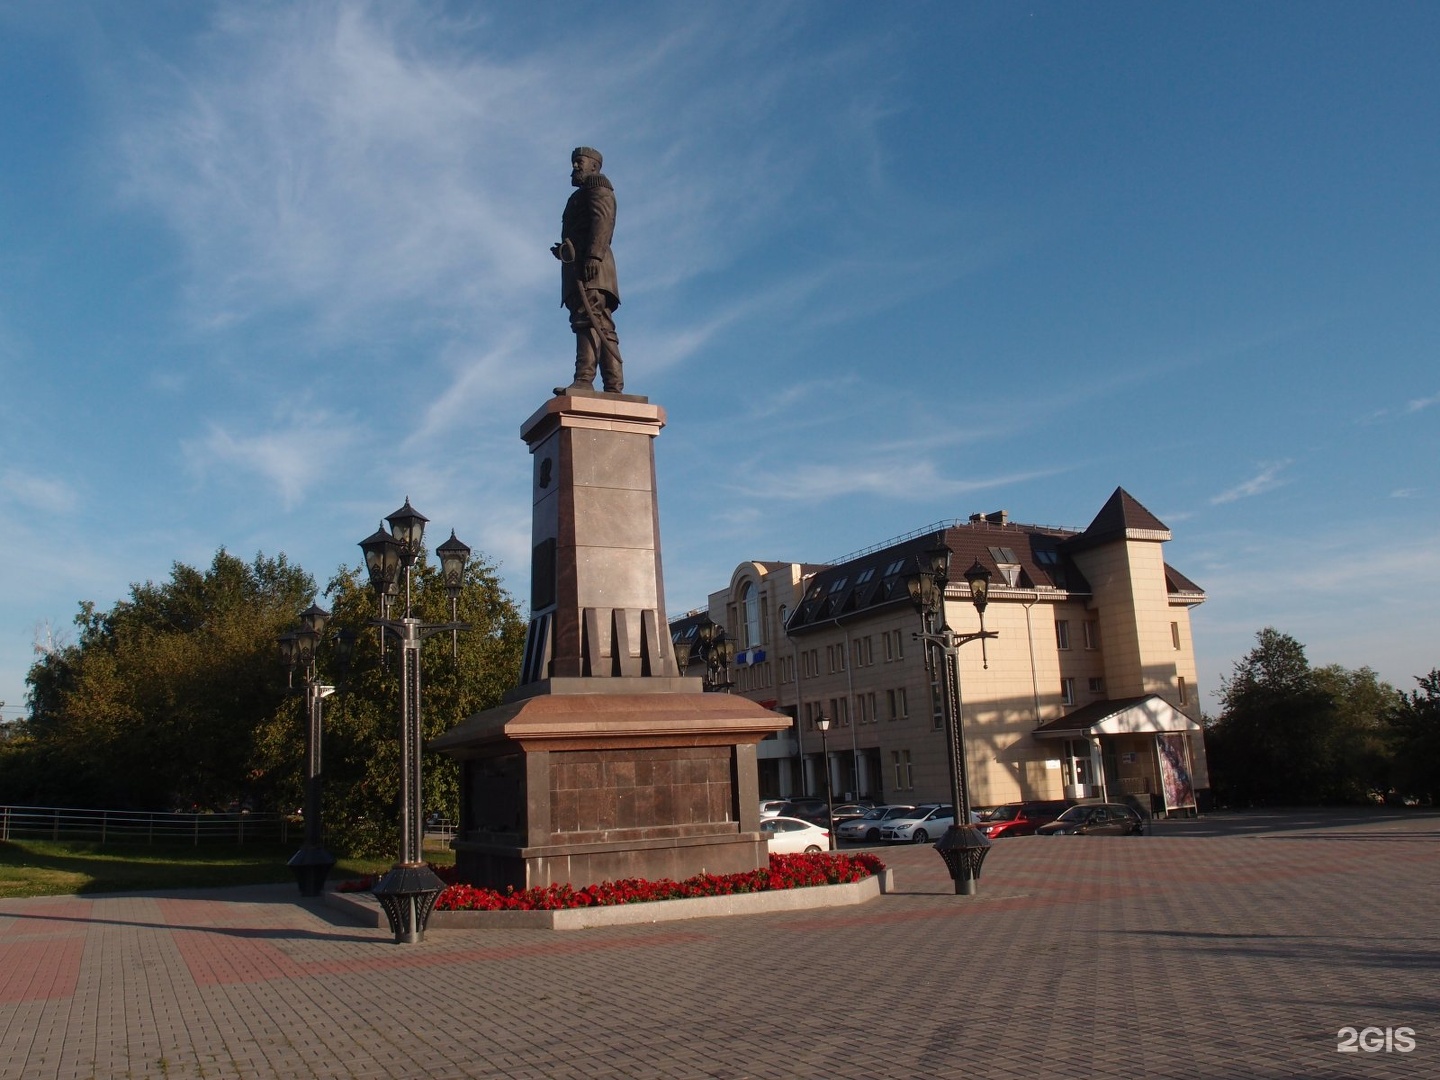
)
(1233, 946)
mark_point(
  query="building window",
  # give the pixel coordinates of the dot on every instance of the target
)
(870, 707)
(1175, 635)
(1092, 634)
(840, 711)
(864, 651)
(937, 703)
(1062, 634)
(810, 663)
(750, 615)
(896, 700)
(899, 772)
(1181, 682)
(1097, 684)
(1067, 691)
(909, 770)
(894, 647)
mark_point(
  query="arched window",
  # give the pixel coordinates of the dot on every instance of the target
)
(750, 615)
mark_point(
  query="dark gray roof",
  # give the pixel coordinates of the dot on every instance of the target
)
(1031, 555)
(1121, 517)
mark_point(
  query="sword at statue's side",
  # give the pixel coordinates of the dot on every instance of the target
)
(565, 252)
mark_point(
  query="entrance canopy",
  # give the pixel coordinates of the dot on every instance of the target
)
(1149, 715)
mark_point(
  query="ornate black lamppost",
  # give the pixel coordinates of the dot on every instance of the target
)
(407, 893)
(823, 723)
(298, 649)
(713, 647)
(963, 847)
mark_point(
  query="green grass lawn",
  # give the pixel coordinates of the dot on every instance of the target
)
(49, 868)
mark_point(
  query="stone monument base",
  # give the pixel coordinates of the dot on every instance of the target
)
(585, 787)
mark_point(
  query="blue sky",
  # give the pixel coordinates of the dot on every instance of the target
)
(267, 269)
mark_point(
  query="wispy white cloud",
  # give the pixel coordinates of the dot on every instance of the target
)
(1414, 405)
(906, 478)
(1267, 479)
(334, 156)
(38, 492)
(293, 455)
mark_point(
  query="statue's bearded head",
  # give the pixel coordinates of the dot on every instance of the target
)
(583, 162)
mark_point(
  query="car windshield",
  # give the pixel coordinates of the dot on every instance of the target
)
(897, 811)
(1002, 813)
(1075, 813)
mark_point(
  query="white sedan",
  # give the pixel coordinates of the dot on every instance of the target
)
(788, 835)
(925, 823)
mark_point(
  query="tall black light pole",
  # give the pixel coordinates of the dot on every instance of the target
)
(407, 893)
(298, 649)
(823, 723)
(963, 847)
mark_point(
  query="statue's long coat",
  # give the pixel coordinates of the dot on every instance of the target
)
(589, 223)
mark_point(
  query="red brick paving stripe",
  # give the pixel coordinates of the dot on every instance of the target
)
(215, 958)
(62, 915)
(40, 970)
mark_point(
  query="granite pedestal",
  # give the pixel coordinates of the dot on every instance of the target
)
(604, 762)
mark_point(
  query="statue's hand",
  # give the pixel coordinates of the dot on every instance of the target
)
(592, 269)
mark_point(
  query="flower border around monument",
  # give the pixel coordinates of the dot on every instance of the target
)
(784, 872)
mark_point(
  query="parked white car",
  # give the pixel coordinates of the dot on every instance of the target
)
(925, 823)
(790, 836)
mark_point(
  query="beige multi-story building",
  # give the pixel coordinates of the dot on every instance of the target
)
(1088, 691)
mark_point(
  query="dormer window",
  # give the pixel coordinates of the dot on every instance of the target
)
(1007, 564)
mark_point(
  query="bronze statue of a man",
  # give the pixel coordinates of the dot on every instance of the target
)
(588, 285)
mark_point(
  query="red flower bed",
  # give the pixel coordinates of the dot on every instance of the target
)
(784, 872)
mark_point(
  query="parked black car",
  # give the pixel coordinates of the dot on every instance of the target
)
(1095, 819)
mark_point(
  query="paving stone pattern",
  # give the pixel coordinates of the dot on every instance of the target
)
(1231, 946)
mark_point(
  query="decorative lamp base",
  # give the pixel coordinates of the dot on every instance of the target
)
(407, 895)
(312, 866)
(963, 847)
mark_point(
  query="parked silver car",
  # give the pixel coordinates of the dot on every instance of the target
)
(868, 827)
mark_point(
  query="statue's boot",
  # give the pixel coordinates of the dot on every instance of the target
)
(584, 364)
(611, 368)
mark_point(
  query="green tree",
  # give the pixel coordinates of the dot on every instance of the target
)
(1268, 746)
(1358, 749)
(1292, 734)
(157, 702)
(1415, 734)
(362, 720)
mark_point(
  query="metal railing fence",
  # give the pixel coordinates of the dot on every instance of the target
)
(139, 826)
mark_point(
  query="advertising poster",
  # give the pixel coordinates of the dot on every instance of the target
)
(1175, 772)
